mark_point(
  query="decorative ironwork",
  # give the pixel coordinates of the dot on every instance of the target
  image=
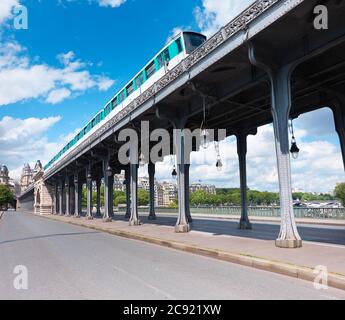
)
(241, 22)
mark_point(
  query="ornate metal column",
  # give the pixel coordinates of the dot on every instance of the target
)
(339, 120)
(77, 195)
(178, 119)
(134, 219)
(187, 193)
(67, 197)
(151, 169)
(182, 224)
(108, 190)
(72, 199)
(128, 192)
(56, 198)
(98, 197)
(61, 197)
(242, 152)
(89, 215)
(280, 78)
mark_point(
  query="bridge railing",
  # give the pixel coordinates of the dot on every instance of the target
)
(274, 212)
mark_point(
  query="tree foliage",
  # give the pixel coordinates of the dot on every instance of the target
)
(6, 196)
(340, 193)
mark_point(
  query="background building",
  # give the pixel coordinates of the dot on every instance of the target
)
(7, 181)
(204, 187)
(26, 177)
(119, 182)
(4, 178)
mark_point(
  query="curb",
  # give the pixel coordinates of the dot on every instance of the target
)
(335, 280)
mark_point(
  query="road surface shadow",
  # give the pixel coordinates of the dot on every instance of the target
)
(48, 236)
(260, 231)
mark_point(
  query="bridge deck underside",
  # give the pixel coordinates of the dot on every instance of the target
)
(239, 94)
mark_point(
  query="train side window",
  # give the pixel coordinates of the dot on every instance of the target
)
(139, 80)
(114, 103)
(150, 70)
(166, 55)
(121, 96)
(160, 60)
(107, 110)
(130, 89)
(179, 45)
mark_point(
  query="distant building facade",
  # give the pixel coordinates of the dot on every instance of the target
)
(119, 182)
(211, 189)
(7, 181)
(166, 194)
(4, 175)
(26, 177)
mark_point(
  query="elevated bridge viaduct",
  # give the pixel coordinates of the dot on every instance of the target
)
(268, 65)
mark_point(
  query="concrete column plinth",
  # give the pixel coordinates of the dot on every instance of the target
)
(292, 244)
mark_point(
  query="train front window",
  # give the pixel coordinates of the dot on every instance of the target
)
(193, 41)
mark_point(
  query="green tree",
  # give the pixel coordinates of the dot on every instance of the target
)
(340, 193)
(6, 196)
(119, 198)
(143, 197)
(173, 204)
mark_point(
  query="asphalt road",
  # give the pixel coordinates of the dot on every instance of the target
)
(70, 262)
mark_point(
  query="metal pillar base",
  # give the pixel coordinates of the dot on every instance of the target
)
(107, 220)
(134, 223)
(152, 217)
(89, 218)
(289, 244)
(245, 225)
(77, 216)
(183, 228)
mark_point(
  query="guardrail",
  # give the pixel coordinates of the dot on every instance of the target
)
(312, 213)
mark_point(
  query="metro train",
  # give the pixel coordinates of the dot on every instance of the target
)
(182, 45)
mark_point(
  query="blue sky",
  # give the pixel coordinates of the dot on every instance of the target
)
(117, 41)
(76, 54)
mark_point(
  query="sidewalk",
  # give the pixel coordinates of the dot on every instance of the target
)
(257, 253)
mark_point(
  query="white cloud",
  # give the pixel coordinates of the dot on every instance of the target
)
(175, 32)
(58, 95)
(111, 3)
(22, 79)
(318, 168)
(23, 140)
(213, 14)
(6, 7)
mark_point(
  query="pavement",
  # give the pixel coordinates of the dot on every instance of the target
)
(221, 239)
(65, 261)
